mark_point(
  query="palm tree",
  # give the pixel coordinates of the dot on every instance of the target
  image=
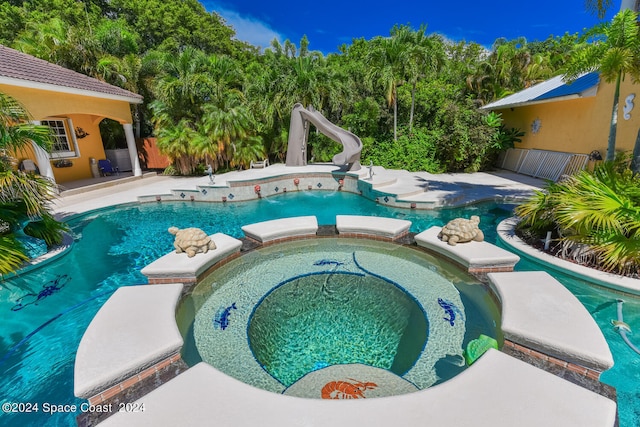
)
(175, 141)
(57, 42)
(423, 55)
(614, 54)
(386, 62)
(598, 7)
(24, 199)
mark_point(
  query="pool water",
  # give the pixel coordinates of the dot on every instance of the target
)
(306, 305)
(330, 319)
(38, 342)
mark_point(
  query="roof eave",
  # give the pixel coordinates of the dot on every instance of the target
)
(10, 81)
(591, 92)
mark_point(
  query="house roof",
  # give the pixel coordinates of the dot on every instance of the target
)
(20, 69)
(554, 89)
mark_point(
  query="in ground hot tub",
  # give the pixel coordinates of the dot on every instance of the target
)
(336, 318)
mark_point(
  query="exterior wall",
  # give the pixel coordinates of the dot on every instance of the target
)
(41, 104)
(85, 112)
(577, 125)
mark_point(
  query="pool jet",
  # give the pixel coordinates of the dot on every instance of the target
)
(622, 328)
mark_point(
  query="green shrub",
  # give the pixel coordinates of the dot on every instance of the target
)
(599, 209)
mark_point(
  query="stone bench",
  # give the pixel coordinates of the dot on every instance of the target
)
(476, 257)
(386, 228)
(173, 267)
(133, 331)
(279, 229)
(538, 312)
(498, 391)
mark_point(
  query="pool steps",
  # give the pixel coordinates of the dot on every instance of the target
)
(395, 188)
(541, 321)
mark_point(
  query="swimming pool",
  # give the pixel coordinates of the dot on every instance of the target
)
(38, 342)
(279, 313)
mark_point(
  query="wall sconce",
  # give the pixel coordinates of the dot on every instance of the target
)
(80, 133)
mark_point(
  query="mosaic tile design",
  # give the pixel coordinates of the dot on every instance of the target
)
(330, 269)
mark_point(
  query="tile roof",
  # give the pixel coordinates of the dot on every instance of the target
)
(554, 89)
(34, 72)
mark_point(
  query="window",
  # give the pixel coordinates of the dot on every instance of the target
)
(64, 144)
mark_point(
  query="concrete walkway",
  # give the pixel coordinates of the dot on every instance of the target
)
(440, 190)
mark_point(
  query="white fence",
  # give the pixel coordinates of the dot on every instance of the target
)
(551, 165)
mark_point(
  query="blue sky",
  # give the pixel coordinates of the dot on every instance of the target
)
(330, 23)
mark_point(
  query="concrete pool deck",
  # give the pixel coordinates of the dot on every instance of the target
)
(422, 188)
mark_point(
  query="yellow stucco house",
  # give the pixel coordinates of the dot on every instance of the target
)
(73, 105)
(568, 122)
(572, 117)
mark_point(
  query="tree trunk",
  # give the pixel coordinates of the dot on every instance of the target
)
(395, 115)
(413, 103)
(635, 157)
(611, 146)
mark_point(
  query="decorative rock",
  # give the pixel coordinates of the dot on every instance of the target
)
(462, 230)
(191, 240)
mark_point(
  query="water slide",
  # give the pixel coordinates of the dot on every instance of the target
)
(299, 133)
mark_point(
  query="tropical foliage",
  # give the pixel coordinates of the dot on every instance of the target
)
(615, 53)
(211, 99)
(593, 214)
(24, 198)
(412, 97)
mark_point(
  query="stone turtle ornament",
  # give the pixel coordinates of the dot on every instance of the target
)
(462, 230)
(191, 241)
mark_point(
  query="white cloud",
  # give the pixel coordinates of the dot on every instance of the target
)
(249, 29)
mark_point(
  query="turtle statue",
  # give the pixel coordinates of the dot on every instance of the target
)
(461, 230)
(191, 240)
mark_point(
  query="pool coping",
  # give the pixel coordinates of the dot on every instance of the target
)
(539, 313)
(491, 392)
(133, 334)
(479, 258)
(605, 405)
(179, 268)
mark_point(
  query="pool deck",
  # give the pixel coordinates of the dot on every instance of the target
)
(421, 188)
